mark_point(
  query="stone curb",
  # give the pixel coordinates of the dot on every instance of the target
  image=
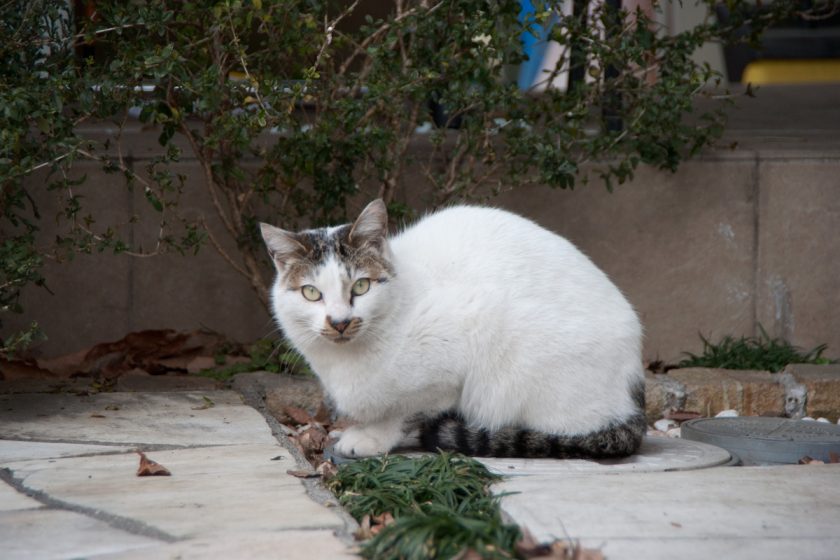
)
(799, 390)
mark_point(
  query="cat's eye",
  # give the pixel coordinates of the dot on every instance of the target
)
(361, 286)
(310, 292)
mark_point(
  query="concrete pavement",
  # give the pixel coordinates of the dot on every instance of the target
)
(69, 490)
(69, 487)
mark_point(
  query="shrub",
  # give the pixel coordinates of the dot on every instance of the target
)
(291, 107)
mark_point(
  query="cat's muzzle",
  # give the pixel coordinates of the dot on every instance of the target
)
(341, 331)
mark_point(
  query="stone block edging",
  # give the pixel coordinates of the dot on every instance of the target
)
(799, 390)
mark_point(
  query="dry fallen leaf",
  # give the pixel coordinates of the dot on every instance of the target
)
(312, 439)
(528, 547)
(682, 415)
(97, 416)
(363, 533)
(322, 415)
(297, 414)
(588, 554)
(833, 457)
(151, 468)
(327, 470)
(11, 370)
(154, 351)
(806, 460)
(379, 522)
(303, 474)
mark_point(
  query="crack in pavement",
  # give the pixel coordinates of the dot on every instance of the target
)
(118, 522)
(131, 445)
(253, 397)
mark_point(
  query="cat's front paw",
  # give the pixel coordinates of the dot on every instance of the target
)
(358, 442)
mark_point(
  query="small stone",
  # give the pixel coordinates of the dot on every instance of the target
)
(664, 424)
(822, 383)
(729, 413)
(282, 391)
(807, 418)
(826, 420)
(661, 394)
(674, 433)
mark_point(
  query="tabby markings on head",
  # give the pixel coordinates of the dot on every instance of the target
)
(321, 244)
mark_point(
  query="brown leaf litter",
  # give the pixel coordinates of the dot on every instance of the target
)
(833, 459)
(372, 525)
(156, 352)
(151, 468)
(529, 547)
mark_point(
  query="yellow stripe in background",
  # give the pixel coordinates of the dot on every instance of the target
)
(762, 72)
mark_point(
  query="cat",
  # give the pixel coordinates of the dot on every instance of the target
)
(474, 330)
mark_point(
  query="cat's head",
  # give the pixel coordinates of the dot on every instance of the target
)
(332, 283)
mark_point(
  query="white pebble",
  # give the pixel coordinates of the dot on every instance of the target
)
(664, 424)
(826, 420)
(808, 418)
(730, 413)
(674, 433)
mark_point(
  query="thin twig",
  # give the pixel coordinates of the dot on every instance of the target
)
(219, 249)
(254, 83)
(329, 28)
(382, 29)
(208, 179)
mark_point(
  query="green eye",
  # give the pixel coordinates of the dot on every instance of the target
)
(311, 293)
(361, 286)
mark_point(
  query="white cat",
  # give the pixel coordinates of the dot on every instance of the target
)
(474, 328)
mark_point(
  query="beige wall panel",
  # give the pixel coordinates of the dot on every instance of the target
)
(191, 291)
(798, 288)
(680, 246)
(89, 297)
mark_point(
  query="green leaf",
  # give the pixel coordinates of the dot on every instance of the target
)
(154, 200)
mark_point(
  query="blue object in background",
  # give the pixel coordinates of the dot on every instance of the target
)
(534, 43)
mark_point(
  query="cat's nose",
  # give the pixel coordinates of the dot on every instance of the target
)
(340, 326)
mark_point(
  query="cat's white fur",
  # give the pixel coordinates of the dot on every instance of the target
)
(487, 313)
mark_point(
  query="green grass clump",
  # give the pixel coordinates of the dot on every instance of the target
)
(441, 505)
(761, 353)
(265, 355)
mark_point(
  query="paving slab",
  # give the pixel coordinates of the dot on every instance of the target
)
(718, 512)
(184, 419)
(68, 484)
(11, 499)
(47, 534)
(15, 450)
(657, 454)
(211, 490)
(143, 382)
(287, 545)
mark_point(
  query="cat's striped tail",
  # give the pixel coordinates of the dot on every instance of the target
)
(449, 432)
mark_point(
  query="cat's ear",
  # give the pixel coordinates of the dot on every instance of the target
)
(282, 245)
(371, 226)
